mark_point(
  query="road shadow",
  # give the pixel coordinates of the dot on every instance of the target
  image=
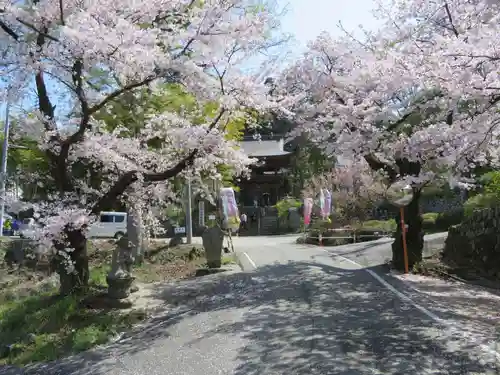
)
(476, 310)
(302, 318)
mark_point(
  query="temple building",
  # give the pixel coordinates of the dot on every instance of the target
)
(268, 182)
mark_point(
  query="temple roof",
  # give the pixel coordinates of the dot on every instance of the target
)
(256, 148)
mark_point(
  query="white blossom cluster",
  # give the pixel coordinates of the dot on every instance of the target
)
(424, 87)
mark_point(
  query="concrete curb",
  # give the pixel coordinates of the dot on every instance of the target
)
(243, 261)
(237, 259)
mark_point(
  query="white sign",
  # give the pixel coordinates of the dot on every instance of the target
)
(178, 230)
(211, 217)
(201, 213)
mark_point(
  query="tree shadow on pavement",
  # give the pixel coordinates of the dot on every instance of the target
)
(300, 318)
(476, 310)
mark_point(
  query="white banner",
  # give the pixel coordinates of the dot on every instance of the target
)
(230, 208)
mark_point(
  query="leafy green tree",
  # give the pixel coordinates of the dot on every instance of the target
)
(26, 161)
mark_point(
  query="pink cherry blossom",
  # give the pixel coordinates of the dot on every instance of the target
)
(200, 45)
(425, 88)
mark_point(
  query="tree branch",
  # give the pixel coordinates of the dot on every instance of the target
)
(44, 103)
(119, 92)
(9, 30)
(450, 18)
(61, 12)
(129, 178)
(376, 165)
(76, 74)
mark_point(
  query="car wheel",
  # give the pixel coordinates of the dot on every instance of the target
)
(119, 235)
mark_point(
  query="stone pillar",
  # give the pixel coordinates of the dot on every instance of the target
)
(213, 239)
(120, 278)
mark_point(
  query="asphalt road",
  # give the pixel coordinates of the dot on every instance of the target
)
(298, 310)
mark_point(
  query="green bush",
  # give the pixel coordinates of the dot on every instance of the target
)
(382, 225)
(491, 183)
(445, 220)
(429, 221)
(480, 201)
(285, 204)
(430, 216)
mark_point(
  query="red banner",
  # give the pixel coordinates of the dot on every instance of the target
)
(308, 206)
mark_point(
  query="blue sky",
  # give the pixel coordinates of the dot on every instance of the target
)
(308, 18)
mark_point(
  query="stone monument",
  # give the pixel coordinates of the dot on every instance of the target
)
(213, 239)
(120, 277)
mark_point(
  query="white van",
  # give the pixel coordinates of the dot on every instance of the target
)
(28, 227)
(110, 224)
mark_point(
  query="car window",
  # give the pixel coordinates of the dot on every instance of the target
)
(106, 218)
(119, 218)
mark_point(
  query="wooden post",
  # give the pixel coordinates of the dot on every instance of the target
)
(403, 233)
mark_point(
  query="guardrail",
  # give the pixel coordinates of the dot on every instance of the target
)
(353, 236)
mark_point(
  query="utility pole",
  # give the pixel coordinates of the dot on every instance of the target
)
(3, 170)
(189, 216)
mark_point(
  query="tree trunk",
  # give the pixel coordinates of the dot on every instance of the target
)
(135, 232)
(78, 280)
(414, 235)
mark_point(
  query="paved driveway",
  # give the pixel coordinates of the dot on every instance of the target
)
(297, 310)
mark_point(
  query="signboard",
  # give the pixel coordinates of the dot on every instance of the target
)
(179, 230)
(201, 213)
(211, 217)
(229, 208)
(308, 206)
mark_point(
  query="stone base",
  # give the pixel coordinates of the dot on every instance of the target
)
(119, 288)
(104, 301)
(214, 263)
(209, 271)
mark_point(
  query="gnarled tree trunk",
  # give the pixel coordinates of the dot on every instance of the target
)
(77, 280)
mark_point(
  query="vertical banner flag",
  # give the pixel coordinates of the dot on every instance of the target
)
(308, 205)
(322, 202)
(327, 203)
(230, 208)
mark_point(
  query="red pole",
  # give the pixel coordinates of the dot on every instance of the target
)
(403, 233)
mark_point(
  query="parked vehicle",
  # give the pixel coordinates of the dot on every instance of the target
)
(110, 224)
(28, 227)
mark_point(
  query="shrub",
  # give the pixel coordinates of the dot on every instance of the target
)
(445, 220)
(380, 225)
(429, 221)
(480, 201)
(284, 205)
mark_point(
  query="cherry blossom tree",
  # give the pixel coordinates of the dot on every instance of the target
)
(82, 55)
(417, 100)
(355, 189)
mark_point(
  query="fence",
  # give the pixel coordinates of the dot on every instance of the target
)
(355, 235)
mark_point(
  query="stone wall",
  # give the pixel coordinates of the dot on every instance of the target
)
(474, 245)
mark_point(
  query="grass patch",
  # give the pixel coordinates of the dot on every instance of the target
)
(226, 260)
(38, 326)
(46, 327)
